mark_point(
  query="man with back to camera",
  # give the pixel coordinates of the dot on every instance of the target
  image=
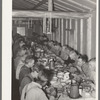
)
(33, 91)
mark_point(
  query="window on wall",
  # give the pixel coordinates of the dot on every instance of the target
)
(21, 31)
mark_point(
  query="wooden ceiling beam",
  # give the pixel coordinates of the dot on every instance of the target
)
(39, 4)
(54, 14)
(35, 18)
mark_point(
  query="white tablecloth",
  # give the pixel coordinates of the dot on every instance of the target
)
(81, 98)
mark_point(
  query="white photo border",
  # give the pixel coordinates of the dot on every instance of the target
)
(7, 49)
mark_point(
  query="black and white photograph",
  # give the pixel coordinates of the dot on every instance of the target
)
(53, 50)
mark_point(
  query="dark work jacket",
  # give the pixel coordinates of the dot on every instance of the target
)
(24, 72)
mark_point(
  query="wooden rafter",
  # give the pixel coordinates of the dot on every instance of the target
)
(39, 4)
(63, 7)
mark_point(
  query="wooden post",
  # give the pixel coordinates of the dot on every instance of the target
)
(81, 36)
(52, 35)
(50, 8)
(44, 25)
(51, 26)
(75, 34)
(50, 5)
(56, 26)
(89, 36)
(59, 30)
(66, 36)
(62, 32)
(28, 24)
(70, 26)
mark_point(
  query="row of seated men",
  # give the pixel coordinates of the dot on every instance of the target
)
(33, 78)
(30, 74)
(73, 59)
